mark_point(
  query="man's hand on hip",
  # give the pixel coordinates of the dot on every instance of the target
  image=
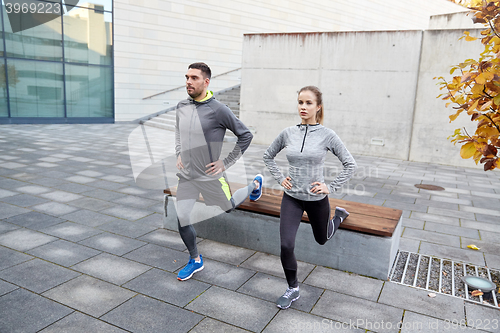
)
(215, 167)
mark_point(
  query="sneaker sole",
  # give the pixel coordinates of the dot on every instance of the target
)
(293, 300)
(187, 278)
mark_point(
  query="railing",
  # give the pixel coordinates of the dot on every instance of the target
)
(183, 86)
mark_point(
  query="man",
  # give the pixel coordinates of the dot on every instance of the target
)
(201, 124)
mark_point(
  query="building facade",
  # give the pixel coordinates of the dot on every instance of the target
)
(119, 60)
(56, 62)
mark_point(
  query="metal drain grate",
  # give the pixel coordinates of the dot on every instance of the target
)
(443, 276)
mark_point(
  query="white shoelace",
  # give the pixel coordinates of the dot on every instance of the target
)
(289, 292)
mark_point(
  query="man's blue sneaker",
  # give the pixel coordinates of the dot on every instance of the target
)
(257, 193)
(191, 268)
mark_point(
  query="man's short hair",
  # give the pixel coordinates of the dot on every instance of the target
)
(205, 70)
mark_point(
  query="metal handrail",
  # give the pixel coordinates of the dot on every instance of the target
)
(183, 86)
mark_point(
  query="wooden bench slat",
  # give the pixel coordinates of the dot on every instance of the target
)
(366, 218)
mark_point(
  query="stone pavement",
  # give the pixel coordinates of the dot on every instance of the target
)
(82, 248)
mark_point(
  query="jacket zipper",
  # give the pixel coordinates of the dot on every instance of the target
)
(304, 140)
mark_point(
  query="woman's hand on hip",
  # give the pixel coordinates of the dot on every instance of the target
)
(319, 188)
(287, 183)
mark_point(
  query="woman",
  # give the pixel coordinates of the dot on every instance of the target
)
(305, 190)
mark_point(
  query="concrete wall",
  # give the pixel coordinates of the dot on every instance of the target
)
(155, 40)
(441, 49)
(368, 81)
(377, 87)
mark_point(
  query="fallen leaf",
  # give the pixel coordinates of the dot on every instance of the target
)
(444, 273)
(477, 293)
(432, 295)
(473, 247)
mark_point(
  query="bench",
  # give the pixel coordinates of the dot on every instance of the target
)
(366, 242)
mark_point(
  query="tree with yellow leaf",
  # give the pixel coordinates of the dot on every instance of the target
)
(476, 91)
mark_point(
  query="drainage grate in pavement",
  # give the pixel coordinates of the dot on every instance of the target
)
(443, 276)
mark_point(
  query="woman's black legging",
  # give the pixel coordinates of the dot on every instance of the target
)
(291, 214)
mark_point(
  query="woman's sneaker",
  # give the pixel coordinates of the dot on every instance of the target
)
(290, 295)
(191, 268)
(340, 215)
(257, 193)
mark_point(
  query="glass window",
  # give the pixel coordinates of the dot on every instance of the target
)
(35, 88)
(89, 91)
(106, 5)
(2, 13)
(34, 35)
(3, 91)
(88, 37)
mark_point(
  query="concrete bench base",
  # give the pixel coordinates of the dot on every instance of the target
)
(351, 251)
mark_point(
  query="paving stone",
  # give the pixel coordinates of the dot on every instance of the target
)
(24, 239)
(165, 286)
(80, 179)
(414, 322)
(224, 275)
(24, 200)
(107, 185)
(154, 220)
(292, 321)
(73, 188)
(223, 252)
(415, 224)
(432, 237)
(6, 287)
(46, 277)
(359, 312)
(61, 196)
(437, 204)
(492, 260)
(111, 268)
(127, 228)
(128, 213)
(7, 210)
(346, 283)
(113, 244)
(392, 197)
(451, 200)
(6, 227)
(451, 213)
(209, 325)
(64, 253)
(6, 193)
(270, 288)
(79, 323)
(32, 189)
(487, 218)
(234, 308)
(92, 204)
(71, 231)
(103, 194)
(22, 311)
(488, 236)
(448, 252)
(166, 238)
(54, 208)
(452, 230)
(89, 218)
(442, 306)
(143, 314)
(158, 256)
(34, 220)
(89, 295)
(482, 318)
(478, 210)
(481, 226)
(435, 218)
(271, 264)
